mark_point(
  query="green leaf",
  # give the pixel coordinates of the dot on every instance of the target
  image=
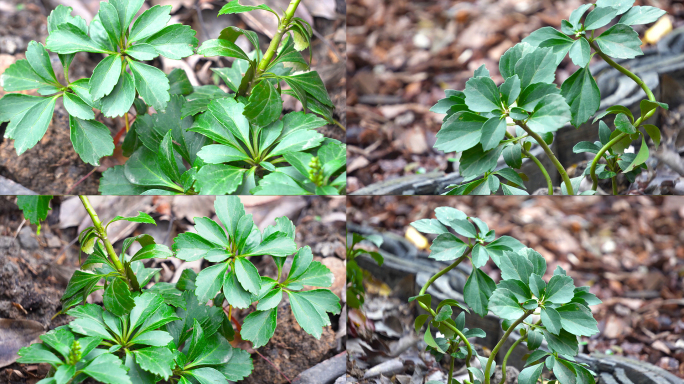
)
(531, 95)
(310, 309)
(77, 107)
(208, 375)
(119, 101)
(37, 353)
(599, 17)
(504, 243)
(550, 114)
(38, 58)
(190, 246)
(560, 289)
(444, 313)
(197, 342)
(167, 158)
(493, 131)
(105, 76)
(127, 9)
(476, 162)
(511, 57)
(580, 52)
(230, 114)
(482, 95)
(234, 6)
(654, 133)
(510, 90)
(235, 294)
(156, 360)
(117, 298)
(151, 83)
(563, 371)
(31, 127)
(479, 255)
(259, 326)
(621, 5)
(517, 288)
(515, 266)
(219, 179)
(313, 85)
(150, 22)
(641, 15)
(577, 14)
(238, 367)
(209, 282)
(623, 124)
(175, 41)
(534, 340)
(577, 320)
(264, 105)
(504, 304)
(460, 132)
(297, 141)
(477, 290)
(91, 139)
(247, 275)
(551, 320)
(530, 375)
(512, 155)
(447, 247)
(107, 368)
(565, 343)
(539, 66)
(69, 38)
(586, 146)
(543, 34)
(142, 169)
(109, 17)
(16, 104)
(158, 251)
(142, 51)
(430, 226)
(219, 47)
(275, 244)
(35, 208)
(620, 41)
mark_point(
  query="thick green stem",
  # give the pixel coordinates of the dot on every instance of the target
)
(275, 42)
(615, 188)
(505, 359)
(549, 182)
(550, 154)
(445, 270)
(637, 123)
(500, 344)
(451, 370)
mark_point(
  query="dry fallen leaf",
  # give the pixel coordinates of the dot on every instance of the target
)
(16, 334)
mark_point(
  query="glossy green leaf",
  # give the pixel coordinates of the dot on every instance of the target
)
(641, 156)
(482, 95)
(460, 132)
(91, 139)
(539, 66)
(551, 113)
(31, 127)
(151, 83)
(119, 101)
(641, 15)
(560, 289)
(117, 298)
(620, 41)
(530, 375)
(310, 309)
(447, 247)
(259, 326)
(219, 47)
(69, 38)
(504, 304)
(156, 360)
(264, 105)
(105, 76)
(477, 290)
(476, 162)
(174, 41)
(107, 368)
(580, 52)
(599, 17)
(150, 22)
(493, 131)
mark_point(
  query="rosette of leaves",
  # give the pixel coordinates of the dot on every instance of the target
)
(136, 336)
(236, 279)
(482, 244)
(355, 289)
(319, 171)
(111, 89)
(74, 358)
(477, 118)
(119, 283)
(207, 357)
(163, 155)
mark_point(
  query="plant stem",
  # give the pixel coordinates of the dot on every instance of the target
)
(126, 121)
(637, 123)
(614, 181)
(550, 154)
(102, 233)
(275, 42)
(505, 359)
(431, 312)
(549, 183)
(445, 270)
(451, 370)
(500, 344)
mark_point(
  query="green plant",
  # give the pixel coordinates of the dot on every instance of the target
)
(219, 142)
(522, 292)
(355, 290)
(478, 117)
(111, 89)
(167, 332)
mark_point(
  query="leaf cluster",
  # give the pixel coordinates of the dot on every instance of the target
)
(477, 118)
(563, 309)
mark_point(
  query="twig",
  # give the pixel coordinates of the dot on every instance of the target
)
(272, 365)
(19, 229)
(80, 181)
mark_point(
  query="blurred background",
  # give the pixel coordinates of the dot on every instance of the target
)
(402, 54)
(53, 166)
(629, 250)
(35, 269)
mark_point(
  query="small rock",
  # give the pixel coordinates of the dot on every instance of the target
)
(54, 242)
(325, 249)
(421, 41)
(27, 240)
(7, 242)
